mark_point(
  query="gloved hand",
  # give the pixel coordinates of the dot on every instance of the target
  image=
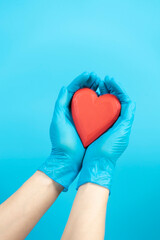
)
(67, 152)
(101, 156)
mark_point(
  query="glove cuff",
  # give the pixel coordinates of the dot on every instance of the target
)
(96, 174)
(53, 176)
(61, 173)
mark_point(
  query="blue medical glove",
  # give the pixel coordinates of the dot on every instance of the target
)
(67, 152)
(101, 156)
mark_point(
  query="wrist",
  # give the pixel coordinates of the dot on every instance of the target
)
(48, 182)
(93, 186)
(94, 191)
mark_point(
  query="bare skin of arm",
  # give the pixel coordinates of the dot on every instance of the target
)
(20, 213)
(87, 217)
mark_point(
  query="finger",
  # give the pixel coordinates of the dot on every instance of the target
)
(114, 88)
(83, 80)
(125, 121)
(102, 87)
(128, 111)
(62, 99)
(95, 80)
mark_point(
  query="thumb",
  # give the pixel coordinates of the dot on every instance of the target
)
(64, 98)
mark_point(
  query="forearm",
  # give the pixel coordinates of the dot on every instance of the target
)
(20, 212)
(87, 217)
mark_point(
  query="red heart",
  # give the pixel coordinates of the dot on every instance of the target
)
(93, 115)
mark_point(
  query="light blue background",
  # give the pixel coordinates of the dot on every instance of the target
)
(44, 44)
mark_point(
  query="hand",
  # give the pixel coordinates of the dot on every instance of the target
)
(67, 152)
(101, 156)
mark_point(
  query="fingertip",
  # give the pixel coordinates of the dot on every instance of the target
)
(101, 83)
(93, 74)
(94, 80)
(102, 87)
(84, 77)
(110, 81)
(85, 74)
(98, 80)
(93, 77)
(106, 79)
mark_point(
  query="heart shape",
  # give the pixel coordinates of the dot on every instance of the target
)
(93, 115)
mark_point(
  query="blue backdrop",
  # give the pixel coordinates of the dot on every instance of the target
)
(44, 44)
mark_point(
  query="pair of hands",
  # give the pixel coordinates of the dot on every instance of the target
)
(99, 158)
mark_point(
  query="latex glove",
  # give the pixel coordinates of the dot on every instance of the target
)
(67, 152)
(101, 156)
